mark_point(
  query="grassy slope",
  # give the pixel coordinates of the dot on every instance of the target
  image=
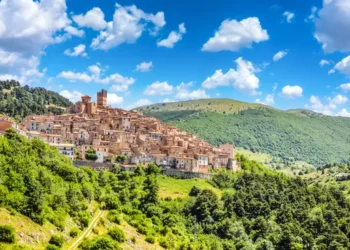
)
(174, 188)
(298, 135)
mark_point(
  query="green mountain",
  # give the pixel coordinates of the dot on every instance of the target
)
(18, 102)
(292, 135)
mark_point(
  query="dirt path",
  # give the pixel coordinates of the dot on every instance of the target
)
(87, 232)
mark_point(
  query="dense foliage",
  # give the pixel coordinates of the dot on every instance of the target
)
(257, 209)
(19, 102)
(291, 136)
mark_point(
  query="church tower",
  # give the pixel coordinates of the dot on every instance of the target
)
(102, 98)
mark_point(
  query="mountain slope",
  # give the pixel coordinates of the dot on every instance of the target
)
(18, 102)
(290, 135)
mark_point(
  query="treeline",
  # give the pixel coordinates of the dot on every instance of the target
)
(258, 209)
(289, 136)
(18, 102)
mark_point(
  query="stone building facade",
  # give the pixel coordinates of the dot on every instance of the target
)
(113, 131)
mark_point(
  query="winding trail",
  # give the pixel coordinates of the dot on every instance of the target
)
(87, 231)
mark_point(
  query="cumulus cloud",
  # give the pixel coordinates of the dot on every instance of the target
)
(139, 103)
(312, 16)
(324, 62)
(331, 105)
(333, 18)
(73, 96)
(77, 51)
(345, 87)
(159, 88)
(120, 83)
(343, 113)
(127, 26)
(289, 16)
(343, 66)
(173, 37)
(27, 27)
(292, 91)
(74, 31)
(114, 99)
(167, 100)
(191, 95)
(269, 100)
(242, 79)
(279, 55)
(233, 35)
(144, 66)
(94, 19)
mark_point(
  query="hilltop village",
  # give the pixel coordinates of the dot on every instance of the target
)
(112, 132)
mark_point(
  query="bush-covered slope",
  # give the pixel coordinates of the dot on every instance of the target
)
(290, 135)
(256, 209)
(18, 102)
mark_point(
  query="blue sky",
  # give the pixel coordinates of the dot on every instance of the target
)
(287, 54)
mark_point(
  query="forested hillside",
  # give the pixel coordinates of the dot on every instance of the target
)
(18, 102)
(290, 135)
(255, 209)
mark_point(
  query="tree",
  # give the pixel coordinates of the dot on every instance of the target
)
(100, 242)
(91, 155)
(117, 234)
(7, 234)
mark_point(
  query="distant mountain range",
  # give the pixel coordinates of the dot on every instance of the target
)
(292, 135)
(20, 101)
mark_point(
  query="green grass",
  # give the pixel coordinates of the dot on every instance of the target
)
(170, 187)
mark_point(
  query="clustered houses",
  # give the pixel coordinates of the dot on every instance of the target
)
(113, 131)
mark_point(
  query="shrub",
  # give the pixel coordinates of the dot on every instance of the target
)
(114, 216)
(99, 243)
(52, 247)
(57, 240)
(194, 191)
(150, 239)
(133, 239)
(7, 234)
(74, 232)
(91, 155)
(116, 234)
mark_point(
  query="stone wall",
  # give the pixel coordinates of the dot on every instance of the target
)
(92, 164)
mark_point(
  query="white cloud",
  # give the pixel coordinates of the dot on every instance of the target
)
(345, 87)
(75, 76)
(27, 27)
(127, 26)
(324, 62)
(269, 100)
(289, 16)
(292, 91)
(327, 109)
(113, 99)
(173, 37)
(7, 58)
(316, 103)
(159, 88)
(243, 78)
(73, 96)
(279, 55)
(120, 83)
(312, 16)
(139, 103)
(77, 51)
(343, 113)
(74, 31)
(144, 66)
(166, 100)
(94, 19)
(332, 19)
(234, 35)
(191, 95)
(343, 66)
(336, 101)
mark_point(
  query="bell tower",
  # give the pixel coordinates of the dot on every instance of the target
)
(102, 98)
